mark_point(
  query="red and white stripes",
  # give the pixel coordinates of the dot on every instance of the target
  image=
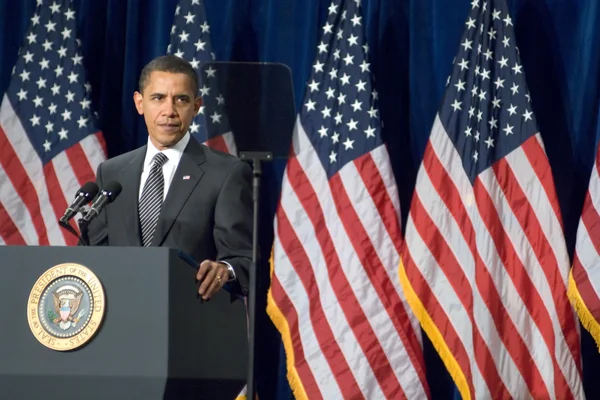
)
(335, 294)
(488, 264)
(224, 143)
(33, 196)
(584, 283)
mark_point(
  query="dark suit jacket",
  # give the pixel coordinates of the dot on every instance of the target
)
(207, 215)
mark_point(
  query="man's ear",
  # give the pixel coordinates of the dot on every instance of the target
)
(137, 100)
(197, 104)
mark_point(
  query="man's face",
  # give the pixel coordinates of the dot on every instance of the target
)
(168, 104)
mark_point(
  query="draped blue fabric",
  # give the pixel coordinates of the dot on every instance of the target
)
(412, 45)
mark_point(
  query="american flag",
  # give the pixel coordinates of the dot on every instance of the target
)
(485, 265)
(50, 144)
(190, 40)
(584, 282)
(335, 296)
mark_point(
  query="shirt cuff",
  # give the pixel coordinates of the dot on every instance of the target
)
(231, 271)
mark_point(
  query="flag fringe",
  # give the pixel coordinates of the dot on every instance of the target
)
(282, 326)
(244, 394)
(585, 315)
(436, 337)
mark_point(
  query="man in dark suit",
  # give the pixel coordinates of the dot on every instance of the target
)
(177, 192)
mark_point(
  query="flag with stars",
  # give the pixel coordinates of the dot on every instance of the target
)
(485, 264)
(50, 143)
(335, 296)
(190, 40)
(584, 281)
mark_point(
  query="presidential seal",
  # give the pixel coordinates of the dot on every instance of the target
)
(66, 307)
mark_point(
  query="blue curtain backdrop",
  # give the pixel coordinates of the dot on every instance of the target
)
(412, 46)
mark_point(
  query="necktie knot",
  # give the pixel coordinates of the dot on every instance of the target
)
(160, 159)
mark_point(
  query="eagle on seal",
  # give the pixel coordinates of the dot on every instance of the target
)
(65, 306)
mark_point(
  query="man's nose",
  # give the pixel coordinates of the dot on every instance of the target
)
(169, 109)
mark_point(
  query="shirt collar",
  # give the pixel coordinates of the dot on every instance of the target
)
(173, 153)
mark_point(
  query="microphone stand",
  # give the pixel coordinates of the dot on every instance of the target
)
(83, 228)
(255, 157)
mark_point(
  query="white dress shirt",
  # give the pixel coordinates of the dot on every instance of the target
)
(174, 155)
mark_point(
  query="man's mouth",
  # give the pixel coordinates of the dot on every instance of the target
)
(169, 127)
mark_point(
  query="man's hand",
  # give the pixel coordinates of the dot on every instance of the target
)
(213, 276)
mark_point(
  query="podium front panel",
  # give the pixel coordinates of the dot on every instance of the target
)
(156, 338)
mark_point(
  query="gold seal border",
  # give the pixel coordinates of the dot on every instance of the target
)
(98, 300)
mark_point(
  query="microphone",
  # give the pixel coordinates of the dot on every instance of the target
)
(107, 195)
(83, 196)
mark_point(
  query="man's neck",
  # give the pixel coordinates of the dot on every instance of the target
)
(180, 145)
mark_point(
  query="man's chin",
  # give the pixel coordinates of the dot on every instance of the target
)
(166, 139)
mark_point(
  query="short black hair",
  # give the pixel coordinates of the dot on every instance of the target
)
(168, 63)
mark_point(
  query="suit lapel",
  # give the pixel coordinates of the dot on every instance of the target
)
(131, 177)
(186, 178)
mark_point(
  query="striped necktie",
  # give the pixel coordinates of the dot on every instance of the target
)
(152, 199)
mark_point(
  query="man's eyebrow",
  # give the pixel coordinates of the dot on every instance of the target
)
(178, 96)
